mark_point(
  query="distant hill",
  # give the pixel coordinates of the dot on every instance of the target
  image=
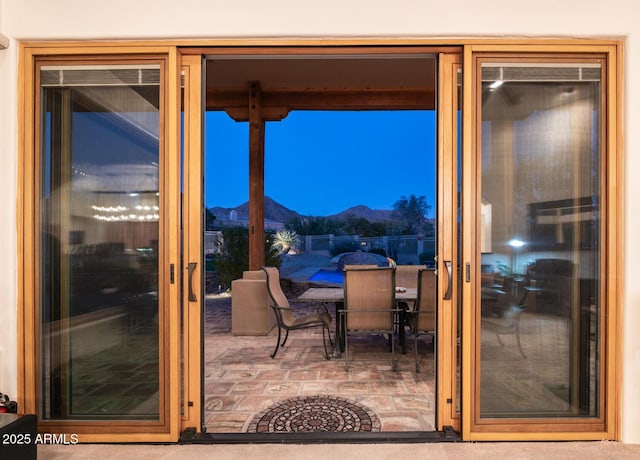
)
(275, 212)
(365, 212)
(272, 211)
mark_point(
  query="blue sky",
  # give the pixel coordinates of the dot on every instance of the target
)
(321, 163)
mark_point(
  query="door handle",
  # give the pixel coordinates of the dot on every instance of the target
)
(191, 268)
(448, 266)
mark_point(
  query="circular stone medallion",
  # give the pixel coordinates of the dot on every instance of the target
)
(315, 413)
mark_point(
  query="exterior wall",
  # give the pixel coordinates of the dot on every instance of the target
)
(123, 19)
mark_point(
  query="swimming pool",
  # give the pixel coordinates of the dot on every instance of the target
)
(328, 276)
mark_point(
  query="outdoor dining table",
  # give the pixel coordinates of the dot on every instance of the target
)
(335, 295)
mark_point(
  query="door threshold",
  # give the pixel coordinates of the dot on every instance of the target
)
(189, 436)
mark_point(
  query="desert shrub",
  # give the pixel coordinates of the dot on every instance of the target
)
(426, 257)
(234, 257)
(285, 240)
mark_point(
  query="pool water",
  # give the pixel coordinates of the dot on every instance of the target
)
(328, 276)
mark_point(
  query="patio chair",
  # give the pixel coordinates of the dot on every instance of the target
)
(506, 314)
(369, 305)
(422, 318)
(350, 266)
(407, 277)
(285, 317)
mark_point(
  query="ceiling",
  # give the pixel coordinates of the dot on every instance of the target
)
(324, 72)
(322, 82)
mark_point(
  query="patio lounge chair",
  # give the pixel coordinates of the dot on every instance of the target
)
(285, 317)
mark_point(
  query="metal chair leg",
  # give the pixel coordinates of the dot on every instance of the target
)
(346, 347)
(324, 342)
(329, 334)
(273, 355)
(520, 345)
(394, 364)
(415, 352)
(286, 336)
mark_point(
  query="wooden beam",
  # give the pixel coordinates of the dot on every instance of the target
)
(267, 113)
(352, 99)
(256, 178)
(276, 104)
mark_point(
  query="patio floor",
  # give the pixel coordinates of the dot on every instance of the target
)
(241, 380)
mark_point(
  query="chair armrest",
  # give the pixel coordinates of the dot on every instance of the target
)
(300, 305)
(320, 307)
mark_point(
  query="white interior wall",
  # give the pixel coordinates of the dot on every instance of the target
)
(121, 19)
(8, 234)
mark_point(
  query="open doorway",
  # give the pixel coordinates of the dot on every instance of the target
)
(349, 167)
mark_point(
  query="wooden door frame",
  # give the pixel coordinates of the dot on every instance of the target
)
(606, 426)
(447, 414)
(192, 308)
(167, 428)
(446, 104)
(27, 153)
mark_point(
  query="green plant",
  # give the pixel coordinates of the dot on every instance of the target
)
(234, 256)
(505, 271)
(410, 213)
(427, 256)
(285, 240)
(314, 226)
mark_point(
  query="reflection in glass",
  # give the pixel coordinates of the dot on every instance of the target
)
(99, 227)
(539, 335)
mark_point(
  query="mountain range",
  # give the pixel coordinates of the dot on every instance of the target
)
(276, 212)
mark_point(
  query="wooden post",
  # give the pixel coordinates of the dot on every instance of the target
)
(256, 178)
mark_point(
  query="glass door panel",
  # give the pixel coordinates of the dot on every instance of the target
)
(541, 169)
(99, 232)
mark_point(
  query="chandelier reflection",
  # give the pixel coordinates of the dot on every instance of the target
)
(144, 213)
